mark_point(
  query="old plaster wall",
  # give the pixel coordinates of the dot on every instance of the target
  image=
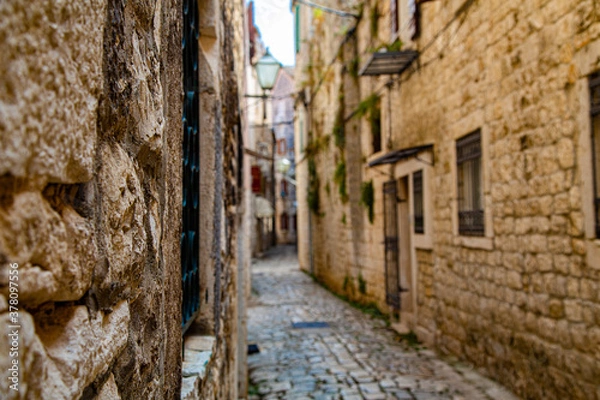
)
(90, 211)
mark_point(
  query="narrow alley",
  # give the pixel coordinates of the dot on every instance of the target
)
(345, 353)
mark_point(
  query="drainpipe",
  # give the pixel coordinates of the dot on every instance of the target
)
(273, 181)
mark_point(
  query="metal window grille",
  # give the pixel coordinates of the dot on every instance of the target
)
(392, 278)
(470, 193)
(418, 202)
(191, 167)
(595, 117)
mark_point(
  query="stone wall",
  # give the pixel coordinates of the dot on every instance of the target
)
(90, 198)
(226, 262)
(85, 205)
(522, 301)
(514, 303)
(345, 243)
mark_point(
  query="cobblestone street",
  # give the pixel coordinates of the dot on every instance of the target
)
(355, 357)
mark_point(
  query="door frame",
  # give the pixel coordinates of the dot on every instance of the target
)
(405, 169)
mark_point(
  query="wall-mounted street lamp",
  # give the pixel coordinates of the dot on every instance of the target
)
(267, 69)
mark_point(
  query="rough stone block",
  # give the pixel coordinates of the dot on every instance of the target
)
(64, 351)
(109, 390)
(565, 151)
(124, 236)
(50, 73)
(55, 249)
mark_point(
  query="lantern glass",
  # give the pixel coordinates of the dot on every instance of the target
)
(266, 70)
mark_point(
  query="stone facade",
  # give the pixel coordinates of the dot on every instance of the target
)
(260, 144)
(283, 127)
(91, 197)
(521, 299)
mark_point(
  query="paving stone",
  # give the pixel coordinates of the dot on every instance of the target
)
(401, 394)
(349, 392)
(387, 383)
(280, 386)
(324, 396)
(406, 382)
(356, 358)
(352, 397)
(369, 388)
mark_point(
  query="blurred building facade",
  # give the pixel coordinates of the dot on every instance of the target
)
(260, 146)
(447, 171)
(285, 183)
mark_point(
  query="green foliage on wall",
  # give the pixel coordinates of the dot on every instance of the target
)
(367, 105)
(348, 285)
(367, 198)
(312, 195)
(395, 46)
(339, 177)
(367, 308)
(317, 145)
(374, 21)
(338, 133)
(344, 218)
(353, 67)
(362, 284)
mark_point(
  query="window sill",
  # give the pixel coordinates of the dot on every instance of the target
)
(198, 351)
(474, 242)
(422, 241)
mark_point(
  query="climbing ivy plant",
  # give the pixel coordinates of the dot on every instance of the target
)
(367, 198)
(339, 135)
(339, 177)
(367, 106)
(312, 195)
(374, 21)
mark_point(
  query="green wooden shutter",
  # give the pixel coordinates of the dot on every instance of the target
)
(297, 28)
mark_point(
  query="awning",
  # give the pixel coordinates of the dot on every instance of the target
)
(388, 63)
(396, 155)
(262, 208)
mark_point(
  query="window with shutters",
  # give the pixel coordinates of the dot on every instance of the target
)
(470, 185)
(405, 19)
(417, 185)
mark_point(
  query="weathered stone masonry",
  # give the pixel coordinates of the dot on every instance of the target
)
(523, 300)
(90, 198)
